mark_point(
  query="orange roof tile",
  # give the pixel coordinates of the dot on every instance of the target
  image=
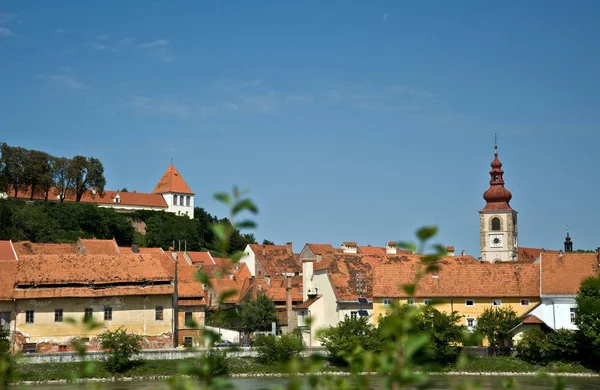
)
(98, 247)
(563, 275)
(8, 275)
(73, 292)
(275, 291)
(127, 249)
(201, 257)
(306, 304)
(371, 250)
(97, 269)
(34, 248)
(7, 251)
(531, 319)
(322, 249)
(107, 197)
(172, 181)
(187, 285)
(532, 254)
(459, 277)
(276, 259)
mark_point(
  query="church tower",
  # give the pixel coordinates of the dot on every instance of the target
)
(178, 196)
(497, 220)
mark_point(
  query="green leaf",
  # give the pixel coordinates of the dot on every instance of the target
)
(427, 232)
(220, 230)
(223, 197)
(247, 224)
(409, 289)
(245, 204)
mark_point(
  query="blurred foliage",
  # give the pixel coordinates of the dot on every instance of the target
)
(495, 323)
(120, 348)
(277, 349)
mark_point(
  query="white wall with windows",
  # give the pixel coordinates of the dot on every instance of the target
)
(557, 311)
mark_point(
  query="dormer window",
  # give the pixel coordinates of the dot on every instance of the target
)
(117, 199)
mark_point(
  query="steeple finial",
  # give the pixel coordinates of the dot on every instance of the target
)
(171, 160)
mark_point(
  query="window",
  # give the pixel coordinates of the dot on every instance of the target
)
(495, 224)
(174, 200)
(572, 312)
(62, 348)
(159, 313)
(89, 313)
(5, 320)
(107, 313)
(497, 302)
(188, 318)
(29, 317)
(58, 315)
(426, 302)
(188, 342)
(470, 322)
(187, 200)
(387, 302)
(353, 315)
(410, 301)
(470, 302)
(524, 302)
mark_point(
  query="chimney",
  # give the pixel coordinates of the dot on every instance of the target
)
(463, 253)
(135, 248)
(350, 247)
(449, 251)
(318, 257)
(268, 280)
(94, 190)
(560, 253)
(263, 251)
(288, 296)
(288, 247)
(390, 248)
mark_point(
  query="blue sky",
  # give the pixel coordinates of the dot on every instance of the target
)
(347, 121)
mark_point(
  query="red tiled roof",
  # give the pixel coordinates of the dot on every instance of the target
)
(99, 247)
(7, 252)
(276, 259)
(459, 277)
(306, 304)
(192, 302)
(127, 249)
(201, 257)
(563, 275)
(275, 291)
(97, 269)
(322, 249)
(107, 197)
(73, 292)
(371, 250)
(34, 248)
(187, 285)
(531, 319)
(532, 254)
(172, 181)
(8, 275)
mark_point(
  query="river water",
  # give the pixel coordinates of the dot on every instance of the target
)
(437, 383)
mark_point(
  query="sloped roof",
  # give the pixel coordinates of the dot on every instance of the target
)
(36, 248)
(99, 247)
(275, 290)
(172, 182)
(187, 285)
(97, 269)
(107, 197)
(532, 254)
(127, 249)
(77, 292)
(277, 259)
(306, 304)
(531, 319)
(7, 251)
(459, 277)
(8, 275)
(201, 257)
(563, 275)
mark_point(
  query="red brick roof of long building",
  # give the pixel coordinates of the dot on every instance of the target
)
(564, 274)
(459, 277)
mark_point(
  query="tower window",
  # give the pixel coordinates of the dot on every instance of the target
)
(174, 200)
(495, 224)
(187, 200)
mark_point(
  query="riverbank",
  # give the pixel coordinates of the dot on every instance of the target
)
(248, 367)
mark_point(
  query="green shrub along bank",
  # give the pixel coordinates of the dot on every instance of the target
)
(232, 366)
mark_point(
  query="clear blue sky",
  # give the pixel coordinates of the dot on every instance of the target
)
(347, 120)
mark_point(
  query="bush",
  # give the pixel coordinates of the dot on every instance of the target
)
(532, 346)
(219, 364)
(495, 323)
(273, 349)
(561, 345)
(120, 348)
(444, 331)
(4, 341)
(341, 340)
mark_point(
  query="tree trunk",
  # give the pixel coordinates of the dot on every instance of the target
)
(32, 191)
(46, 197)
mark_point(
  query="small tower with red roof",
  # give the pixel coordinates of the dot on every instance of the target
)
(175, 191)
(497, 220)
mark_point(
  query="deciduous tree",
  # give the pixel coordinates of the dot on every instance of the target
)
(495, 323)
(258, 313)
(587, 318)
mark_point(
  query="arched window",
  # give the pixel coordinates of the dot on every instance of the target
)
(495, 224)
(187, 200)
(174, 200)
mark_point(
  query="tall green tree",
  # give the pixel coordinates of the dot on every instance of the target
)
(258, 313)
(13, 168)
(86, 173)
(63, 179)
(495, 323)
(343, 339)
(38, 171)
(587, 318)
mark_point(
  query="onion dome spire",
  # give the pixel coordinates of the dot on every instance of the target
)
(568, 242)
(497, 197)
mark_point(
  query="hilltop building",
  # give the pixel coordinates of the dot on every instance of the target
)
(171, 194)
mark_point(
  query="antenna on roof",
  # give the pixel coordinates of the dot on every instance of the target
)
(495, 142)
(171, 160)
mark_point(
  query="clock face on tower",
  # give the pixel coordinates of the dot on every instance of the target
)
(496, 240)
